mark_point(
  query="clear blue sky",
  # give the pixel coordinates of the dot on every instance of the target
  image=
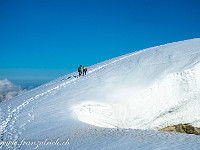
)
(45, 39)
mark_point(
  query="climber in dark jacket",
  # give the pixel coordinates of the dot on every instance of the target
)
(80, 70)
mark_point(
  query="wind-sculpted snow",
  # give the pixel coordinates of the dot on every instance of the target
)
(155, 89)
(173, 100)
(148, 89)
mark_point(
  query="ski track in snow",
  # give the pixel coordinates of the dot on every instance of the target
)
(14, 114)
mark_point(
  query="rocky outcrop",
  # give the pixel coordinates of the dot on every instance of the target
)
(183, 128)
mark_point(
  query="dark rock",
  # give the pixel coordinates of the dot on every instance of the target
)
(183, 128)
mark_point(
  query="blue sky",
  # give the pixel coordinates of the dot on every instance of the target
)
(46, 39)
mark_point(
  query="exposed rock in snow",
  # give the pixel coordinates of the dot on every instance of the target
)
(183, 128)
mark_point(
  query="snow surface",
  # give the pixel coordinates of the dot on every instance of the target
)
(119, 104)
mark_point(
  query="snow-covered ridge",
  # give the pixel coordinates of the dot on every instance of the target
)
(167, 92)
(173, 100)
(148, 89)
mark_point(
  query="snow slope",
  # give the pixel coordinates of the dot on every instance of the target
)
(148, 89)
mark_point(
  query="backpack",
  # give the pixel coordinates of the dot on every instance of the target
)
(79, 69)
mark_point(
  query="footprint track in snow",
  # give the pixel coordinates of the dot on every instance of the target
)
(14, 113)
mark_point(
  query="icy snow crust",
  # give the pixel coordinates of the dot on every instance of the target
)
(148, 89)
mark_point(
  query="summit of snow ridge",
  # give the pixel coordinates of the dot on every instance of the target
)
(149, 89)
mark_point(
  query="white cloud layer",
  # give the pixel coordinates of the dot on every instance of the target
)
(8, 90)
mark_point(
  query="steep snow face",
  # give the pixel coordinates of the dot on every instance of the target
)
(151, 90)
(148, 89)
(173, 100)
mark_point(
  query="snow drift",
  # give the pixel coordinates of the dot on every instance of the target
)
(148, 89)
(151, 90)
